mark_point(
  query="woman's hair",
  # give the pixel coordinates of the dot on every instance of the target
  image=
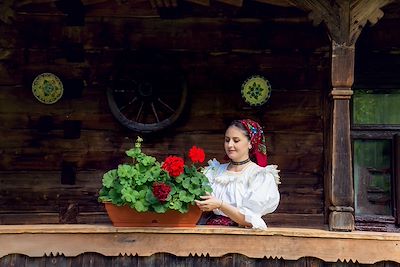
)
(239, 124)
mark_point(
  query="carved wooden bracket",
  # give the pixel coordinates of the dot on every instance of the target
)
(344, 19)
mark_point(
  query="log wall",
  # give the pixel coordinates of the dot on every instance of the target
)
(216, 52)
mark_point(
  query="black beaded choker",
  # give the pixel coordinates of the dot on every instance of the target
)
(240, 162)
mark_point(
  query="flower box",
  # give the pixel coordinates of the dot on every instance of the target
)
(145, 192)
(124, 216)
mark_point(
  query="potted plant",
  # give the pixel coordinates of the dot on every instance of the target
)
(146, 192)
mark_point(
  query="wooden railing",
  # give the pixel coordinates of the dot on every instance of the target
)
(285, 243)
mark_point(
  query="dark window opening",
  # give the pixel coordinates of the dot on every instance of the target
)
(375, 132)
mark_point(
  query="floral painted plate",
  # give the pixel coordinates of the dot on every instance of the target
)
(47, 88)
(256, 90)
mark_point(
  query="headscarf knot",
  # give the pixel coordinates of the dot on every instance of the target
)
(257, 140)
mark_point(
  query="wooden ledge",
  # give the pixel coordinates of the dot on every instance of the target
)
(286, 243)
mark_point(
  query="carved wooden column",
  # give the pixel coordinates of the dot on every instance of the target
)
(341, 190)
(345, 20)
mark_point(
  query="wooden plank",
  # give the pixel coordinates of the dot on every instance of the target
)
(109, 8)
(200, 2)
(237, 3)
(22, 150)
(24, 142)
(305, 220)
(37, 180)
(24, 200)
(92, 110)
(29, 218)
(96, 30)
(39, 191)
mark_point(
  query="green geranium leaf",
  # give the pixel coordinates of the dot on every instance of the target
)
(109, 177)
(186, 183)
(179, 179)
(196, 191)
(175, 205)
(186, 197)
(150, 198)
(148, 161)
(195, 180)
(134, 152)
(160, 208)
(104, 199)
(139, 206)
(129, 195)
(114, 194)
(125, 170)
(184, 208)
(207, 188)
(142, 193)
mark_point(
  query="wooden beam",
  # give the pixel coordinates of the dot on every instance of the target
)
(286, 243)
(200, 2)
(238, 3)
(283, 3)
(163, 3)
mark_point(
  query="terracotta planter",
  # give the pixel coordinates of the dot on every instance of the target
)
(124, 216)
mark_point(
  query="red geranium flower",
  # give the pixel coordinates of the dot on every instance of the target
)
(196, 154)
(161, 191)
(173, 165)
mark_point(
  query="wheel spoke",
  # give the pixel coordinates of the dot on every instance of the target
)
(130, 103)
(166, 105)
(154, 111)
(139, 112)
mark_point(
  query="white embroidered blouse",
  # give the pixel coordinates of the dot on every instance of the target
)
(253, 190)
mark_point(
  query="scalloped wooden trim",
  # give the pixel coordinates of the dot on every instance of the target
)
(286, 243)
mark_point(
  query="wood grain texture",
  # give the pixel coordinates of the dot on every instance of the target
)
(340, 190)
(217, 47)
(32, 158)
(286, 243)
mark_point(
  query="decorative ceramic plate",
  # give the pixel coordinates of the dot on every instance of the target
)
(256, 90)
(47, 88)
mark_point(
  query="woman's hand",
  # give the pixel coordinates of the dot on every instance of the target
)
(209, 203)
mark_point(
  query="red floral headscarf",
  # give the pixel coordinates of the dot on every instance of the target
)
(257, 140)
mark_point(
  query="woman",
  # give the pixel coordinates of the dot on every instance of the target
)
(245, 188)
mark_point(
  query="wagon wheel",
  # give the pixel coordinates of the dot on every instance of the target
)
(147, 101)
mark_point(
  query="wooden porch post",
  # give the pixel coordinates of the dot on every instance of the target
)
(341, 191)
(345, 20)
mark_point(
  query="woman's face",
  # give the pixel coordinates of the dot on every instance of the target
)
(236, 144)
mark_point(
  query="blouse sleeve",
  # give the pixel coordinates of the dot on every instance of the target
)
(262, 196)
(212, 169)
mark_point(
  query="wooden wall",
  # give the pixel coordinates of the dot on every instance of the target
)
(217, 47)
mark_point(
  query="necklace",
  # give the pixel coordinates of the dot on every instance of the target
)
(240, 162)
